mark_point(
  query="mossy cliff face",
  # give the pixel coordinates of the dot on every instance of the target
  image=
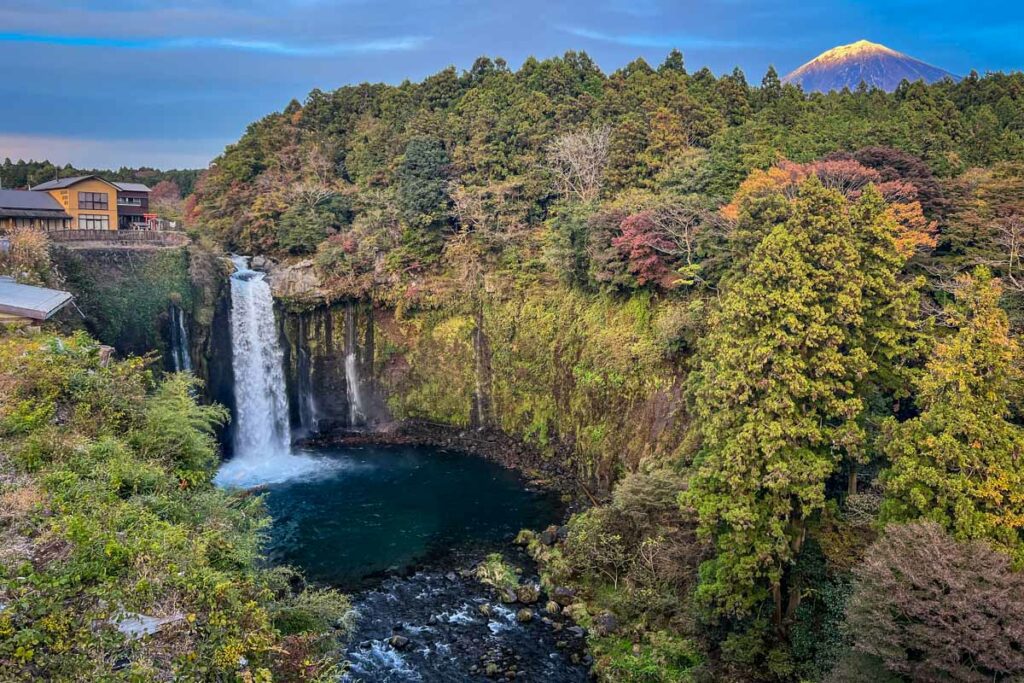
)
(582, 376)
(126, 296)
(588, 379)
(317, 342)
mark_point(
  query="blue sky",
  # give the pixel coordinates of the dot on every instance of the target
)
(168, 84)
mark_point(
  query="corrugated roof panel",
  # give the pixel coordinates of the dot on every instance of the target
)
(38, 303)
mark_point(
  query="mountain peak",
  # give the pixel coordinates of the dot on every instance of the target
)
(860, 48)
(878, 66)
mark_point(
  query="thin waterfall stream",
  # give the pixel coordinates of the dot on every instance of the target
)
(308, 410)
(356, 411)
(180, 357)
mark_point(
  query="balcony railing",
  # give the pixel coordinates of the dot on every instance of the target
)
(168, 238)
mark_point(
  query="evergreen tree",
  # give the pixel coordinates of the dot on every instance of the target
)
(889, 334)
(673, 62)
(959, 463)
(421, 183)
(771, 88)
(774, 397)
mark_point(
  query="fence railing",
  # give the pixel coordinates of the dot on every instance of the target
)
(156, 237)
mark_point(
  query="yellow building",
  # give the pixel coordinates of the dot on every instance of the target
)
(90, 200)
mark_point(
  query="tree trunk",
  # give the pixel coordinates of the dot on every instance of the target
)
(787, 592)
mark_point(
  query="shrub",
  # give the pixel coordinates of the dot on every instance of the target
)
(108, 511)
(28, 259)
(311, 611)
(180, 431)
(661, 657)
(932, 608)
(495, 571)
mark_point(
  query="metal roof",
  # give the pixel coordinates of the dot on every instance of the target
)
(27, 199)
(132, 187)
(32, 213)
(37, 303)
(61, 183)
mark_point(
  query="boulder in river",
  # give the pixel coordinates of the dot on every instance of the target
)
(552, 607)
(398, 642)
(524, 615)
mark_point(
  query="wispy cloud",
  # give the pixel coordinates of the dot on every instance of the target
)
(396, 44)
(658, 40)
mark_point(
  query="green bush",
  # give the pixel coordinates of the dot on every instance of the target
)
(495, 571)
(109, 512)
(660, 657)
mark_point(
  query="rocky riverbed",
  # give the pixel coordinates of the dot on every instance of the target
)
(445, 625)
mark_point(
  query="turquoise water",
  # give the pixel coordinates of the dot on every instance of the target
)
(380, 508)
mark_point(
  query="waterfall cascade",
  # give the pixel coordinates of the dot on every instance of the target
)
(356, 411)
(262, 432)
(180, 357)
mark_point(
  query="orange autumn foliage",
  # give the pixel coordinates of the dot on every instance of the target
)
(850, 178)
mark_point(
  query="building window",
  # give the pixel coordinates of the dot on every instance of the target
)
(129, 201)
(88, 221)
(97, 201)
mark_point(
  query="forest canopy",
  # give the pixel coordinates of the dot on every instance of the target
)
(818, 294)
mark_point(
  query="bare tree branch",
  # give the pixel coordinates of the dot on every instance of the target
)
(578, 160)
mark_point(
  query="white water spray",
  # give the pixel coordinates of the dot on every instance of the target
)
(262, 432)
(356, 412)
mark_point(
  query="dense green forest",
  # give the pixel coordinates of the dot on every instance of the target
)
(24, 174)
(821, 291)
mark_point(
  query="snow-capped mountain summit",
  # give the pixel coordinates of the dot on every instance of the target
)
(876, 65)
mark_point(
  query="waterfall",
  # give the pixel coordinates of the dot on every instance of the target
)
(262, 433)
(180, 357)
(356, 411)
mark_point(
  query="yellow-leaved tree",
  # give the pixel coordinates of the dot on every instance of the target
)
(960, 463)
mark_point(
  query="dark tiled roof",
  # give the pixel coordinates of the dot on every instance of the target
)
(62, 182)
(31, 213)
(132, 187)
(28, 200)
